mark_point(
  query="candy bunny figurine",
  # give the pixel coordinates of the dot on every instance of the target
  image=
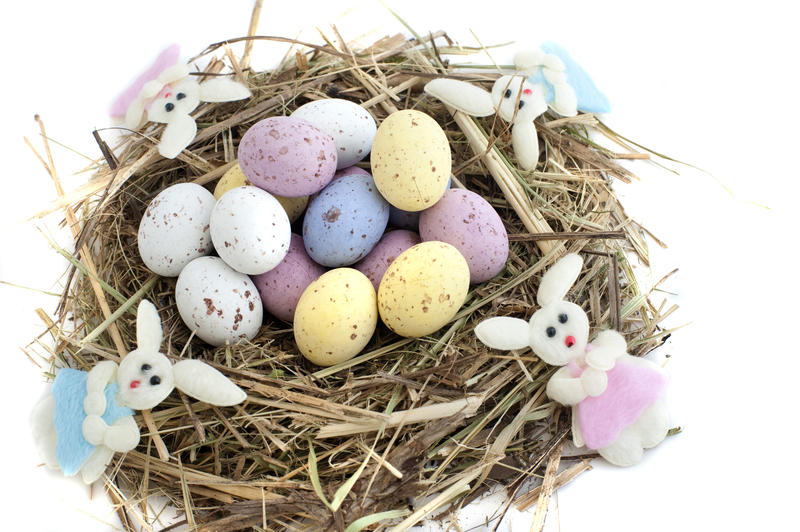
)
(88, 416)
(550, 77)
(166, 93)
(616, 399)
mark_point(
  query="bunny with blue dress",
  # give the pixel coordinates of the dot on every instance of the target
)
(88, 416)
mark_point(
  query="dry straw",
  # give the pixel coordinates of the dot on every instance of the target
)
(439, 419)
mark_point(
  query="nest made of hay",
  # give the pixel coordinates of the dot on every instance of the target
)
(437, 419)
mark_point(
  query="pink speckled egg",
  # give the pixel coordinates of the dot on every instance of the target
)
(287, 156)
(281, 287)
(467, 221)
(390, 246)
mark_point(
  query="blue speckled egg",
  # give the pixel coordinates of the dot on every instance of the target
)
(345, 221)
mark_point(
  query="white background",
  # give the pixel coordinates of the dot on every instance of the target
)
(713, 84)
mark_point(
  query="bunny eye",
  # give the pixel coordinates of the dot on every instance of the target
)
(521, 103)
(508, 93)
(146, 367)
(562, 318)
(169, 106)
(550, 331)
(155, 380)
(180, 96)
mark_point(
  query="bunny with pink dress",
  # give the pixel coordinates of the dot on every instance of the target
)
(616, 399)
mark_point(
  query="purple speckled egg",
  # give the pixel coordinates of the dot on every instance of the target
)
(383, 254)
(287, 156)
(281, 287)
(467, 221)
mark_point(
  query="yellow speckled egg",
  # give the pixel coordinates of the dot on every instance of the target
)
(234, 178)
(423, 289)
(335, 317)
(410, 160)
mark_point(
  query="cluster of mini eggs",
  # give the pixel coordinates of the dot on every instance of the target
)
(345, 270)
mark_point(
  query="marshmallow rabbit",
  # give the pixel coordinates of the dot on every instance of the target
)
(616, 399)
(88, 416)
(549, 78)
(166, 94)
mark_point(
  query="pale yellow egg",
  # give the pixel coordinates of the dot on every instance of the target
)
(410, 160)
(423, 289)
(234, 177)
(335, 317)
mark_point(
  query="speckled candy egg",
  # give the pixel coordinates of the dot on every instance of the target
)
(423, 289)
(250, 230)
(287, 156)
(350, 125)
(467, 221)
(410, 160)
(175, 228)
(234, 178)
(220, 304)
(383, 254)
(335, 317)
(345, 221)
(282, 286)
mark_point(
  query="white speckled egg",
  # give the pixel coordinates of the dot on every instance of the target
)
(220, 304)
(250, 230)
(175, 228)
(350, 125)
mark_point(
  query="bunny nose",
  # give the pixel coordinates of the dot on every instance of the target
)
(135, 384)
(569, 340)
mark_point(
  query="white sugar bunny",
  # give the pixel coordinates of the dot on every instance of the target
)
(88, 416)
(549, 77)
(616, 399)
(166, 93)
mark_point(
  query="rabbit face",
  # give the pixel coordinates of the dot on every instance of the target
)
(514, 94)
(180, 98)
(559, 332)
(145, 379)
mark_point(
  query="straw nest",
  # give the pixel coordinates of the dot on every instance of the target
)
(410, 424)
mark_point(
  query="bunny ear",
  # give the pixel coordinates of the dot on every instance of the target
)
(178, 134)
(148, 327)
(206, 384)
(465, 97)
(557, 281)
(223, 90)
(504, 333)
(526, 144)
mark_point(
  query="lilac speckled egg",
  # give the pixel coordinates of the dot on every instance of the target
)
(350, 125)
(345, 221)
(390, 246)
(287, 156)
(281, 287)
(467, 221)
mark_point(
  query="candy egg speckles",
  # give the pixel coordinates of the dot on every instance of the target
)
(282, 286)
(221, 305)
(350, 125)
(345, 221)
(335, 317)
(410, 160)
(391, 245)
(175, 228)
(423, 289)
(287, 156)
(250, 230)
(468, 222)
